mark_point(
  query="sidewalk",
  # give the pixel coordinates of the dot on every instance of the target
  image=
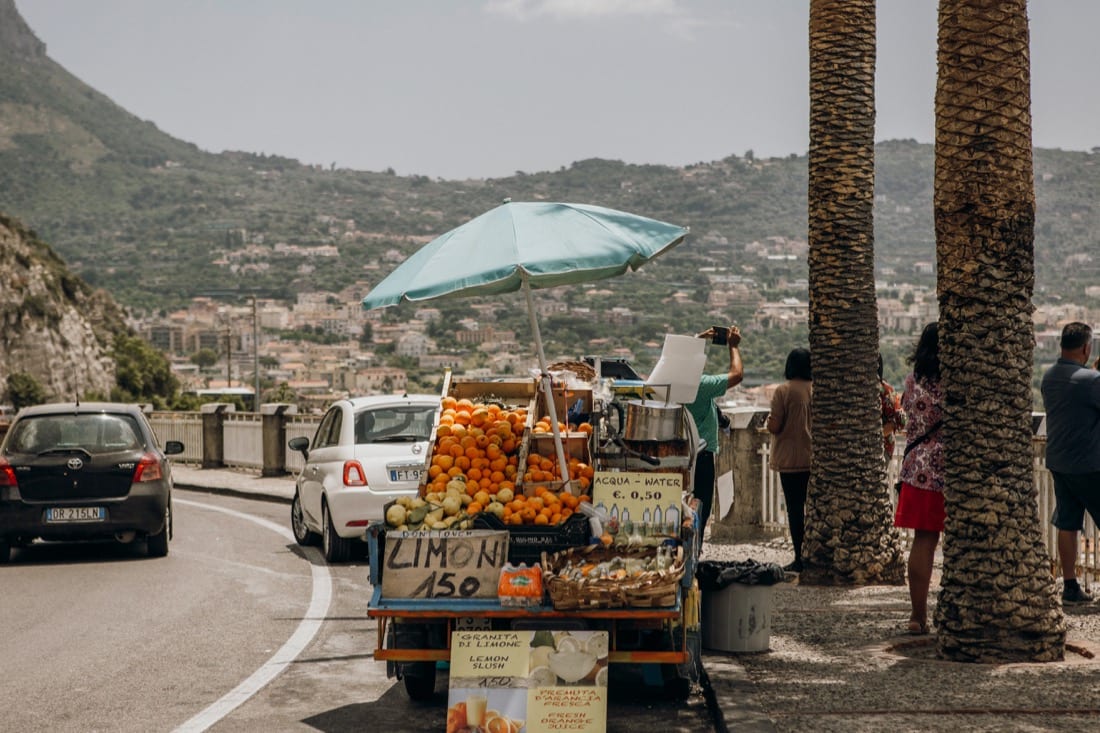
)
(839, 660)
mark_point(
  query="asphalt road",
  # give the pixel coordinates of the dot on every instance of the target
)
(238, 629)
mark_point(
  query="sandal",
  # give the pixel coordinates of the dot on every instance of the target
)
(917, 628)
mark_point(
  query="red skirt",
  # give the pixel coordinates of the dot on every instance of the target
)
(920, 509)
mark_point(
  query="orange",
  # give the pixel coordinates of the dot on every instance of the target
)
(473, 508)
(541, 519)
(454, 471)
(473, 474)
(448, 403)
(444, 461)
(464, 405)
(463, 462)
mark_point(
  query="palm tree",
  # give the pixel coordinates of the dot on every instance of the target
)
(997, 602)
(849, 532)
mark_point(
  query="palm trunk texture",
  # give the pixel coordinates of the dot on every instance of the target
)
(849, 534)
(997, 601)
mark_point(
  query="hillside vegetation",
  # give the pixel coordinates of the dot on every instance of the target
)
(156, 221)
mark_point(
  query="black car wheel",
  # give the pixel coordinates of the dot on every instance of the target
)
(158, 543)
(5, 551)
(335, 547)
(303, 535)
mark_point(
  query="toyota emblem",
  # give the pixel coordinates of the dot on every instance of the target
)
(75, 464)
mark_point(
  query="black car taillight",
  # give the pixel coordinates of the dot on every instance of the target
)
(7, 474)
(148, 469)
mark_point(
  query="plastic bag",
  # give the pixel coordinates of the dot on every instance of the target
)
(715, 575)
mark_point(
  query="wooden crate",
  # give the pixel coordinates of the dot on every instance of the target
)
(512, 393)
(575, 445)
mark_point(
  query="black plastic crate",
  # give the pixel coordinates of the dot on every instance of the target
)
(526, 543)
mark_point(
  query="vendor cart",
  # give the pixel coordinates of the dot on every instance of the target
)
(661, 635)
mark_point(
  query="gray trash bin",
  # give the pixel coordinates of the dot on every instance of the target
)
(738, 599)
(738, 618)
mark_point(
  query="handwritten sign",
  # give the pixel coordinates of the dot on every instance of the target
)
(447, 564)
(545, 680)
(649, 499)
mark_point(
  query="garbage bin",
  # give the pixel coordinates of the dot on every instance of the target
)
(737, 604)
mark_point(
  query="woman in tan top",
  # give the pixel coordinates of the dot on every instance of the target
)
(789, 424)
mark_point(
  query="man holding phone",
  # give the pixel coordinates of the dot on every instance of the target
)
(704, 413)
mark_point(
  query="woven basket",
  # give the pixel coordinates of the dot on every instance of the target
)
(648, 590)
(580, 369)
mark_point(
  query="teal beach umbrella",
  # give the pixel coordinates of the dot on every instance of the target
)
(527, 245)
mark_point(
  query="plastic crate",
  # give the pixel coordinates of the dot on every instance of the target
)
(526, 543)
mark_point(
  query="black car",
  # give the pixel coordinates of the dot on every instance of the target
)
(83, 471)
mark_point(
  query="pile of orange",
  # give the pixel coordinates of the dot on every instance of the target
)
(547, 468)
(545, 507)
(480, 443)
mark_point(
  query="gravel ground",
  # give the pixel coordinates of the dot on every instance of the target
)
(839, 660)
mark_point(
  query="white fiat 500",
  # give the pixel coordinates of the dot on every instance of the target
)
(367, 452)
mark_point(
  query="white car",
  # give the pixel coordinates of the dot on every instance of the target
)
(367, 452)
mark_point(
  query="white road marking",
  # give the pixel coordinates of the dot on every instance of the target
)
(288, 652)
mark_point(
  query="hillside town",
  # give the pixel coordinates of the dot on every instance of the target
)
(258, 333)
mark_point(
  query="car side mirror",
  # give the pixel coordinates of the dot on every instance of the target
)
(299, 444)
(172, 447)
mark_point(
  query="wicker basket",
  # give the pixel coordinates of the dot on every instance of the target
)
(650, 589)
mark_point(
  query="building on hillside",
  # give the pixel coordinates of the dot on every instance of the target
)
(440, 362)
(787, 313)
(382, 380)
(414, 345)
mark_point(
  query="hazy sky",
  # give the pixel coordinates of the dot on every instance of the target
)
(484, 88)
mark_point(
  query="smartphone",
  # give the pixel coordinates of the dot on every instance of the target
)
(721, 335)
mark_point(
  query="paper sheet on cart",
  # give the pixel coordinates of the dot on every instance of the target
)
(682, 361)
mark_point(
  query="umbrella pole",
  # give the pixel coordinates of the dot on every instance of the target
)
(547, 388)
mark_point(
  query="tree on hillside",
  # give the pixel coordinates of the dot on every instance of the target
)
(849, 530)
(142, 373)
(997, 602)
(24, 390)
(204, 358)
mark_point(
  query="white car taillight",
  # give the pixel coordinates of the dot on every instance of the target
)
(354, 475)
(148, 469)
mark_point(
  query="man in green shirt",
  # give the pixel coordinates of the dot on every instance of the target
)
(704, 413)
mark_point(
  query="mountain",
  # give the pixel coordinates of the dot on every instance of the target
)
(156, 221)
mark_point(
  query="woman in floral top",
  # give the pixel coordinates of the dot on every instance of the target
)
(920, 504)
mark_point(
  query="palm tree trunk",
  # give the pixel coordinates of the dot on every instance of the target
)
(849, 532)
(997, 602)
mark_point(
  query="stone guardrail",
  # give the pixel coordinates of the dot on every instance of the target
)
(218, 437)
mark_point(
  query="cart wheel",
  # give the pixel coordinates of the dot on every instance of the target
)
(419, 680)
(677, 686)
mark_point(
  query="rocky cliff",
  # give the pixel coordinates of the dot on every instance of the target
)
(16, 38)
(53, 326)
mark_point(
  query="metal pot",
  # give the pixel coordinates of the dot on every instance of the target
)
(653, 420)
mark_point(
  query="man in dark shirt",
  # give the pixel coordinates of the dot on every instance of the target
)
(1071, 398)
